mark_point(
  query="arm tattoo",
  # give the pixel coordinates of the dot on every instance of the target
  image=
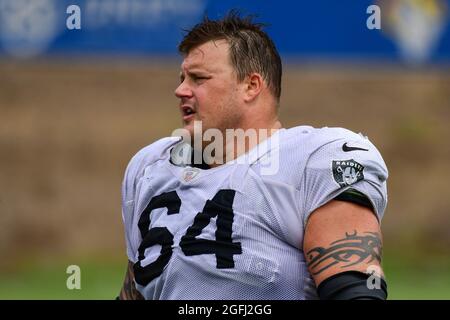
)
(129, 291)
(349, 251)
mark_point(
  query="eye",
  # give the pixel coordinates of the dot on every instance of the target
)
(198, 78)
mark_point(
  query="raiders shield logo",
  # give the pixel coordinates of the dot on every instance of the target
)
(347, 172)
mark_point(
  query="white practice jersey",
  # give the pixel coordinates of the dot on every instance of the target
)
(236, 231)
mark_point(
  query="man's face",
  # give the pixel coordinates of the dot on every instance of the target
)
(209, 90)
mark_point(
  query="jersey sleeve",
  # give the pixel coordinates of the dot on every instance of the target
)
(348, 161)
(130, 188)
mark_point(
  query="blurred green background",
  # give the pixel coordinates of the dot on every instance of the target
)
(101, 277)
(68, 129)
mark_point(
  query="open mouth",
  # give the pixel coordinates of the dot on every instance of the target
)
(187, 112)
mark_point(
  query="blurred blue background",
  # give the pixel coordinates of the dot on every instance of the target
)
(412, 30)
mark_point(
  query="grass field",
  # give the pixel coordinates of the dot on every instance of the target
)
(102, 278)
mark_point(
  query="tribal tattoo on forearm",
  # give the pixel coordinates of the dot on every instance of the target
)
(349, 251)
(129, 291)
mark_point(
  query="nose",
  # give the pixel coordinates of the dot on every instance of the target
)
(183, 91)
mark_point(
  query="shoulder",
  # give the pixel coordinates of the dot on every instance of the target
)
(336, 159)
(332, 140)
(318, 150)
(315, 138)
(148, 155)
(155, 151)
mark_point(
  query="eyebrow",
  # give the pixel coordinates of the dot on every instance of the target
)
(193, 72)
(197, 68)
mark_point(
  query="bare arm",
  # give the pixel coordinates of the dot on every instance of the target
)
(129, 291)
(342, 236)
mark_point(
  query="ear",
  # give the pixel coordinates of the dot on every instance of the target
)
(253, 85)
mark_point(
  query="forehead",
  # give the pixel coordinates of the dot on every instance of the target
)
(210, 56)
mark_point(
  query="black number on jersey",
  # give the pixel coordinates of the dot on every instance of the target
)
(223, 247)
(162, 236)
(221, 206)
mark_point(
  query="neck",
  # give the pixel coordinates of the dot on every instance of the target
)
(241, 140)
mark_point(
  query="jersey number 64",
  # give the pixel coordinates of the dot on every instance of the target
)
(223, 247)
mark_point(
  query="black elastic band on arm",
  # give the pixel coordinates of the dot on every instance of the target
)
(352, 285)
(352, 195)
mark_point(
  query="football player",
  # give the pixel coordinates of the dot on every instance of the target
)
(294, 215)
